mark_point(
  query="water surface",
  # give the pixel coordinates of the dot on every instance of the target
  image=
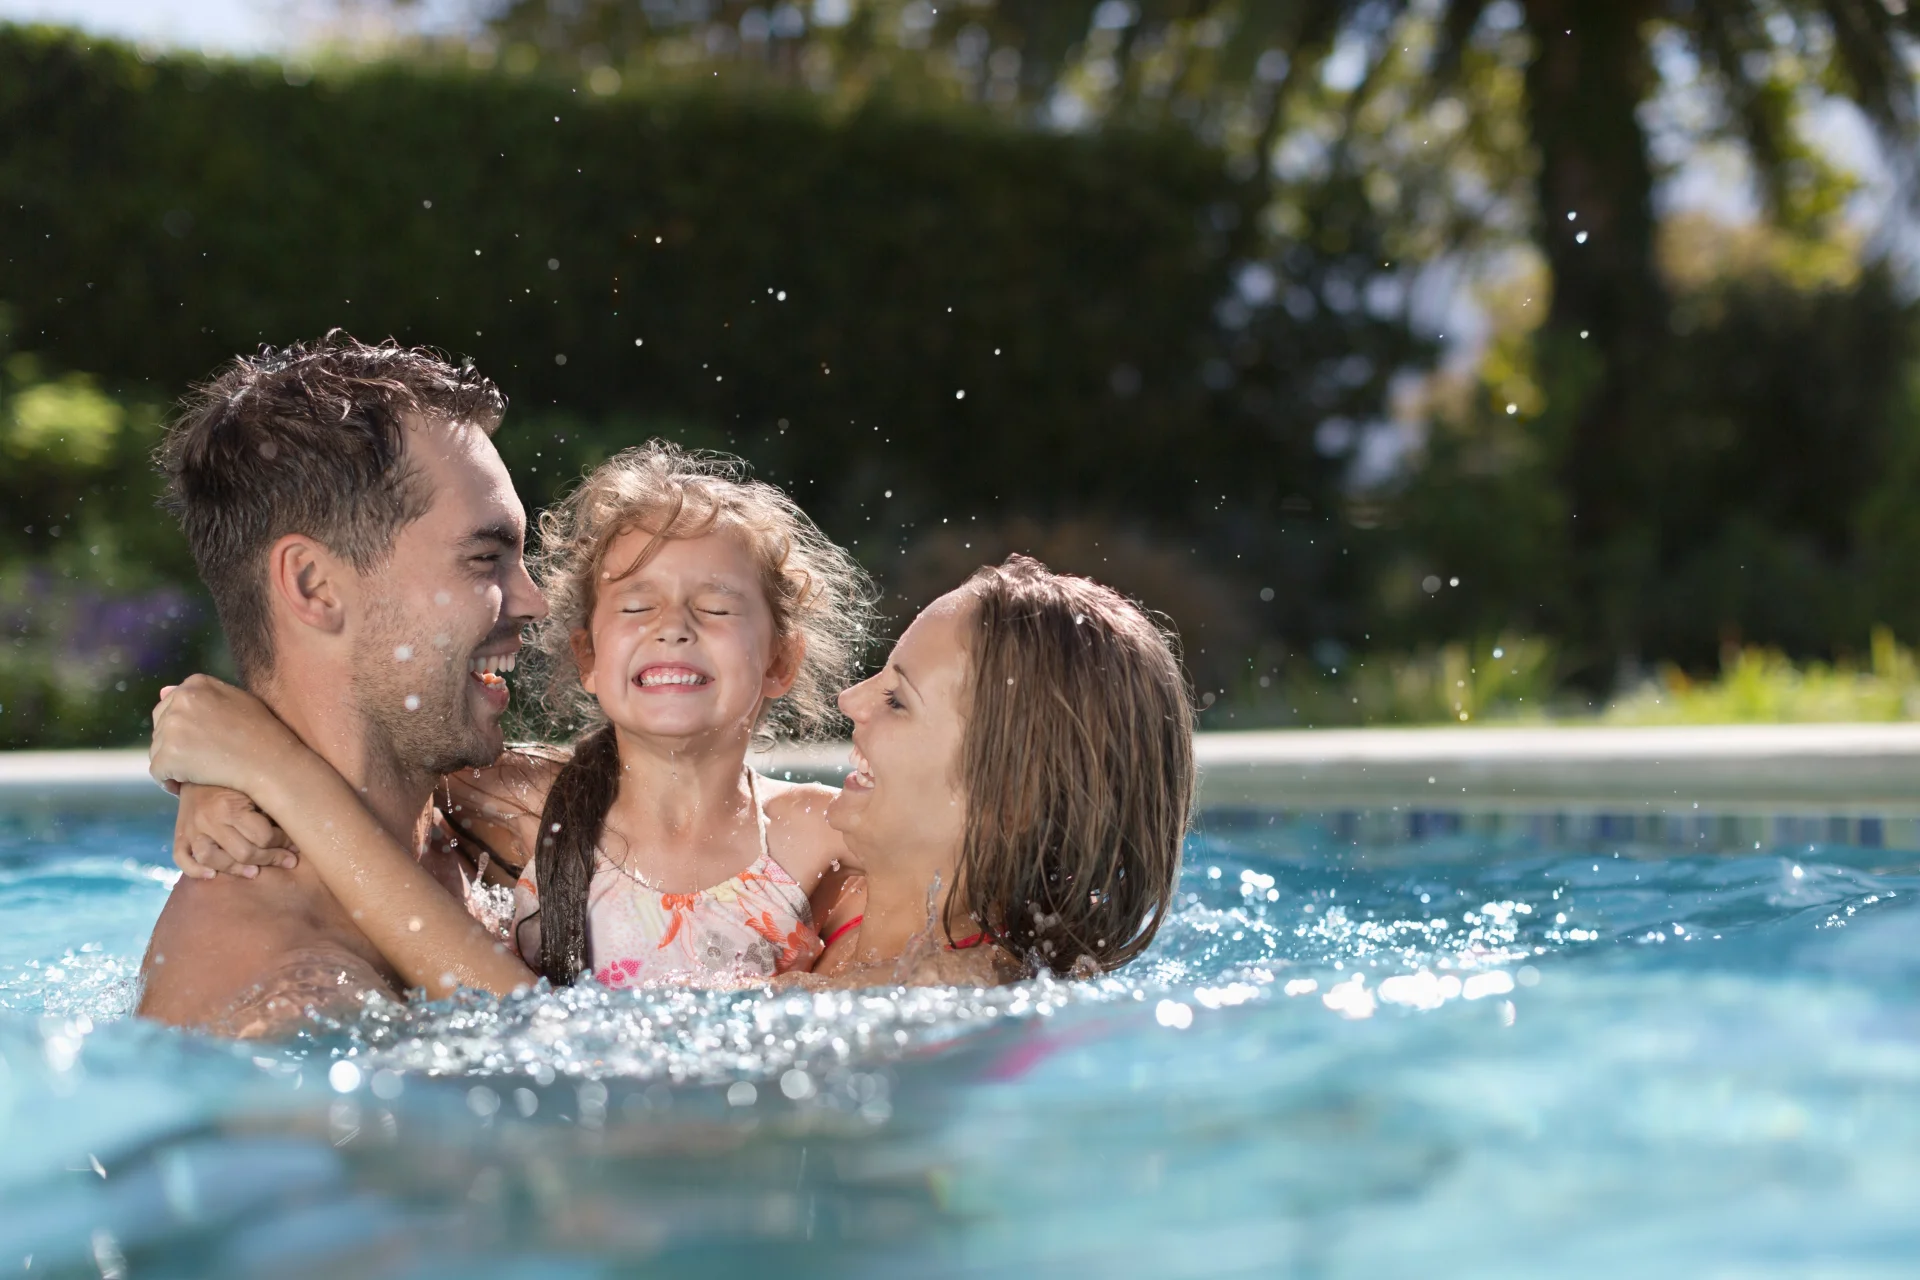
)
(1366, 1044)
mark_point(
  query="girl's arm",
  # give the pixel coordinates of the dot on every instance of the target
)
(218, 830)
(208, 732)
(496, 809)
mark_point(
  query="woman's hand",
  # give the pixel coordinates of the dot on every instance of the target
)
(220, 830)
(208, 732)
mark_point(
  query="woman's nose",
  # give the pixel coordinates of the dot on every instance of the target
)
(851, 703)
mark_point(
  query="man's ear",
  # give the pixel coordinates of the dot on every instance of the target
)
(581, 642)
(785, 668)
(308, 582)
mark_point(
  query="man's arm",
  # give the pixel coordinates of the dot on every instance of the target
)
(212, 733)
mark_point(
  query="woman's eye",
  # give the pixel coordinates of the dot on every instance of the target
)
(636, 608)
(895, 702)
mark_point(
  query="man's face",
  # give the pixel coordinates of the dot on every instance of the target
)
(446, 609)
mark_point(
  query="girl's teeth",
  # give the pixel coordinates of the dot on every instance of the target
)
(487, 666)
(652, 678)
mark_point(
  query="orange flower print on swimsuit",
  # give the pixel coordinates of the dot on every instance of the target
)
(745, 929)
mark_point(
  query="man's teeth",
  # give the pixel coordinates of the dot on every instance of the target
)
(648, 679)
(488, 666)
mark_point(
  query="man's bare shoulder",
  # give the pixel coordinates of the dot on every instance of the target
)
(234, 956)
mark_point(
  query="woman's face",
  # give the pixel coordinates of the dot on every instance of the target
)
(681, 647)
(903, 805)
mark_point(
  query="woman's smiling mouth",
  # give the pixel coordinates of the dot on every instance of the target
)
(861, 776)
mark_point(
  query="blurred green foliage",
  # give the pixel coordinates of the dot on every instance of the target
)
(98, 602)
(1151, 340)
(1775, 498)
(913, 319)
(1764, 686)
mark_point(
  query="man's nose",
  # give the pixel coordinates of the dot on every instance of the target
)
(524, 600)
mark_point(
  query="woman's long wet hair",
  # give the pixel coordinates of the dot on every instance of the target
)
(1078, 769)
(819, 595)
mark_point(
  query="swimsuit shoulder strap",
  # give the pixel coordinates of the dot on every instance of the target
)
(759, 811)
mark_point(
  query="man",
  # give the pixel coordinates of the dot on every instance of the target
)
(363, 546)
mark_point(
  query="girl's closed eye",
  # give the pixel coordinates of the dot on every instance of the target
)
(894, 702)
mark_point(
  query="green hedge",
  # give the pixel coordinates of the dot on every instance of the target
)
(982, 325)
(159, 216)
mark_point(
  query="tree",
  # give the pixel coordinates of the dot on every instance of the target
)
(1602, 352)
(1257, 76)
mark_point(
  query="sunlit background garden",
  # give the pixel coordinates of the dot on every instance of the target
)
(1418, 372)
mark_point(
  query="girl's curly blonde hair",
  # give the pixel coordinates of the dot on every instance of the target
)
(817, 591)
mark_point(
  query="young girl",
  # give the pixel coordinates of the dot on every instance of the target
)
(693, 612)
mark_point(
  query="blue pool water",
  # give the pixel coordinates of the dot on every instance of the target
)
(1368, 1045)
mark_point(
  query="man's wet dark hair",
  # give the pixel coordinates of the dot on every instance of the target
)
(309, 439)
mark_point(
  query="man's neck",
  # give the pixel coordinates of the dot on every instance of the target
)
(395, 795)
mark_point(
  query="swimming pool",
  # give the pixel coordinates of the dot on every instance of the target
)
(1444, 1037)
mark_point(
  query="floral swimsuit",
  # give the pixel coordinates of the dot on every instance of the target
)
(744, 929)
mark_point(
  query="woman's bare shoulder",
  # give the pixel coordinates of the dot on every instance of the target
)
(796, 801)
(518, 781)
(800, 810)
(500, 805)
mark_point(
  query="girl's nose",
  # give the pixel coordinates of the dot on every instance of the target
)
(675, 625)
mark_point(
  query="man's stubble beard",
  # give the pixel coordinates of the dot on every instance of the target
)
(444, 732)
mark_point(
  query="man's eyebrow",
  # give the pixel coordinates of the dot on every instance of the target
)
(909, 679)
(503, 534)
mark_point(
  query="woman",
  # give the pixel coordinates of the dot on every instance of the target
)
(1023, 771)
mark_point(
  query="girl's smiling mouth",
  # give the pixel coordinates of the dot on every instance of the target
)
(670, 676)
